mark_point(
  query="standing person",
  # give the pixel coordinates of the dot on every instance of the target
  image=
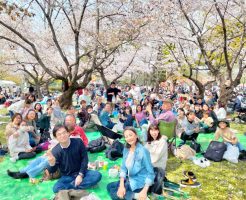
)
(71, 157)
(111, 92)
(75, 130)
(136, 173)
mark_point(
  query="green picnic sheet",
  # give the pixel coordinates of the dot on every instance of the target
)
(21, 188)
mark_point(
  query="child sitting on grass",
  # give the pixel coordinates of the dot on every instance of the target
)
(227, 135)
(206, 121)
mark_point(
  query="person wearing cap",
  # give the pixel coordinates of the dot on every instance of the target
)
(228, 136)
(167, 115)
(111, 92)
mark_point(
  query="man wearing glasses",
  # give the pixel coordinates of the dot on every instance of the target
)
(70, 156)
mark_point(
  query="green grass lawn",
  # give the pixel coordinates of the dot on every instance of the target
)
(222, 180)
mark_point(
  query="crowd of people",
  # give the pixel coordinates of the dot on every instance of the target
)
(43, 126)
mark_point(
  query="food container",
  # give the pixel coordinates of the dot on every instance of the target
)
(113, 173)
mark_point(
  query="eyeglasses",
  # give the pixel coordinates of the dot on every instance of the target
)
(61, 133)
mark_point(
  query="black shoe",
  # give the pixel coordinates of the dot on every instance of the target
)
(17, 175)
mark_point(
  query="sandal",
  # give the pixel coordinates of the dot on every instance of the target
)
(190, 175)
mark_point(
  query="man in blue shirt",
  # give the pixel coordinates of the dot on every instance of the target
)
(70, 156)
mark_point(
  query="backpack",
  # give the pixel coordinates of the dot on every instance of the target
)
(215, 151)
(115, 151)
(158, 182)
(97, 145)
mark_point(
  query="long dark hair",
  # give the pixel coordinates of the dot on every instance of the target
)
(129, 128)
(149, 137)
(40, 107)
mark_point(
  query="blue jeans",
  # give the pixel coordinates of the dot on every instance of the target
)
(36, 166)
(114, 186)
(32, 140)
(90, 179)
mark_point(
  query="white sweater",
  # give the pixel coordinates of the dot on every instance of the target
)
(19, 144)
(158, 152)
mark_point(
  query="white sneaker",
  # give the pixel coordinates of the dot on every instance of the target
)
(207, 162)
(200, 162)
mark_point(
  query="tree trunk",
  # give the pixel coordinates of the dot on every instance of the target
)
(104, 80)
(199, 85)
(65, 85)
(66, 98)
(225, 94)
(38, 89)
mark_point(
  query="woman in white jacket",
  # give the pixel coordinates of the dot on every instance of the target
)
(157, 146)
(18, 144)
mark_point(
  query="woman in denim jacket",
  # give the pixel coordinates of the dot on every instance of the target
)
(136, 174)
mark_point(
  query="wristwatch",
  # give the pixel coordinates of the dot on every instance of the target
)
(81, 174)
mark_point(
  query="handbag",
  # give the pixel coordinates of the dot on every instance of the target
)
(185, 152)
(215, 151)
(196, 146)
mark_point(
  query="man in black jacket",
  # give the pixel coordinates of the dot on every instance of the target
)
(70, 156)
(112, 91)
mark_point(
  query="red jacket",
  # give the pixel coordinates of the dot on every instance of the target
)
(78, 131)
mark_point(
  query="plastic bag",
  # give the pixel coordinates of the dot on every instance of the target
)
(232, 153)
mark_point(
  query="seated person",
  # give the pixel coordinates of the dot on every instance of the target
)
(167, 115)
(34, 135)
(45, 124)
(127, 118)
(99, 105)
(140, 116)
(34, 168)
(212, 114)
(157, 146)
(83, 114)
(198, 111)
(71, 111)
(206, 121)
(191, 128)
(18, 144)
(75, 130)
(13, 126)
(136, 173)
(71, 158)
(93, 119)
(105, 117)
(181, 120)
(220, 111)
(227, 135)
